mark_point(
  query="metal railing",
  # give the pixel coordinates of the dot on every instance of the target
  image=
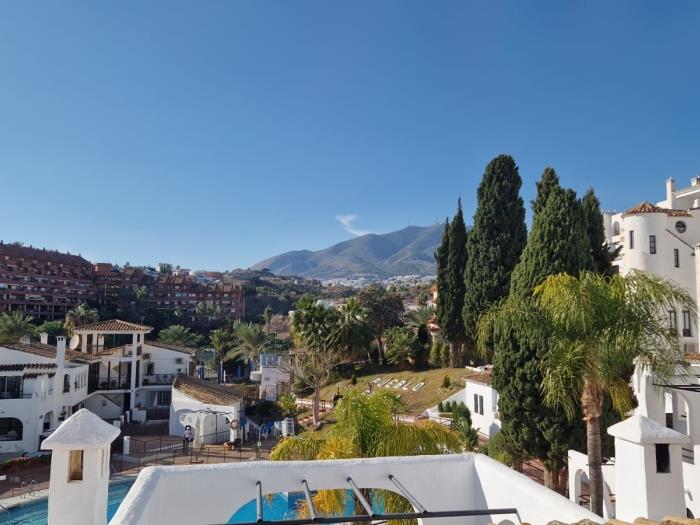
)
(158, 379)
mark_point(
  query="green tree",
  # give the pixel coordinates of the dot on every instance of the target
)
(597, 328)
(365, 428)
(557, 243)
(353, 332)
(180, 335)
(384, 310)
(53, 328)
(221, 341)
(545, 185)
(267, 316)
(403, 347)
(462, 425)
(80, 316)
(248, 342)
(317, 352)
(14, 326)
(442, 283)
(453, 329)
(603, 256)
(495, 241)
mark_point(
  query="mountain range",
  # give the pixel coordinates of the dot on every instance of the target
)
(404, 252)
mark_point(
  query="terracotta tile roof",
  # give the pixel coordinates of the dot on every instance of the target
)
(114, 325)
(648, 207)
(49, 352)
(43, 254)
(34, 375)
(206, 391)
(480, 377)
(191, 350)
(692, 358)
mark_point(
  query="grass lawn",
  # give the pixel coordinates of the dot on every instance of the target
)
(416, 402)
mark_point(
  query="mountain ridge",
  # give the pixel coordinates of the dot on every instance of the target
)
(408, 251)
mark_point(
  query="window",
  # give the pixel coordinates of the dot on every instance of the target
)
(680, 226)
(479, 404)
(652, 244)
(163, 397)
(631, 240)
(676, 262)
(66, 383)
(663, 458)
(616, 228)
(672, 320)
(686, 323)
(11, 387)
(10, 429)
(75, 465)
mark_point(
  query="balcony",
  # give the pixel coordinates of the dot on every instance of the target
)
(158, 379)
(114, 383)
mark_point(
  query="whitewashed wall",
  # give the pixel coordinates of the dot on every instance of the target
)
(449, 482)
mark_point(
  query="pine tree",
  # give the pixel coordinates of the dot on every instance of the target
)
(557, 243)
(602, 256)
(453, 329)
(442, 282)
(546, 184)
(495, 241)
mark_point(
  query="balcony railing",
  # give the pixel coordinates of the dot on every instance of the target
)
(158, 379)
(114, 383)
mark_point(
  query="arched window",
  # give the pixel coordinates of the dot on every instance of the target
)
(616, 228)
(10, 429)
(66, 383)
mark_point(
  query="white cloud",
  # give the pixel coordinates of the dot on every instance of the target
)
(347, 222)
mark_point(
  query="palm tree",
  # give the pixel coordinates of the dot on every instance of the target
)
(221, 342)
(365, 428)
(180, 335)
(598, 329)
(251, 342)
(79, 316)
(353, 332)
(14, 326)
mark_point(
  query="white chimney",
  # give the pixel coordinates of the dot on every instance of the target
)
(60, 351)
(670, 188)
(44, 337)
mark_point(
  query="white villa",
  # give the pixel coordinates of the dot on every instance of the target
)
(215, 412)
(41, 385)
(274, 375)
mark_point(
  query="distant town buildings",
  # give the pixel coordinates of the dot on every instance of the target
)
(47, 284)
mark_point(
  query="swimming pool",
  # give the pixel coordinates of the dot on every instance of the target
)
(277, 507)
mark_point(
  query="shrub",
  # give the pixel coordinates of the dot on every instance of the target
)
(441, 407)
(446, 383)
(353, 379)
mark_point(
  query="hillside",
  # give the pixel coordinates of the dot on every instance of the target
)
(404, 252)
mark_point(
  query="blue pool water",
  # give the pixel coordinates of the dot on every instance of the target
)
(275, 507)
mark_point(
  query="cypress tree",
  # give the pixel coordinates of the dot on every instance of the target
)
(453, 329)
(602, 256)
(557, 243)
(442, 281)
(495, 241)
(546, 184)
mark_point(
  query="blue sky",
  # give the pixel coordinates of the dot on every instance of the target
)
(215, 134)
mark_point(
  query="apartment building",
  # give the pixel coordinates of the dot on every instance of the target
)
(42, 283)
(108, 368)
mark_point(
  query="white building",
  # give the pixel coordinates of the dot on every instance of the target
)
(661, 239)
(213, 411)
(41, 385)
(469, 489)
(482, 400)
(274, 375)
